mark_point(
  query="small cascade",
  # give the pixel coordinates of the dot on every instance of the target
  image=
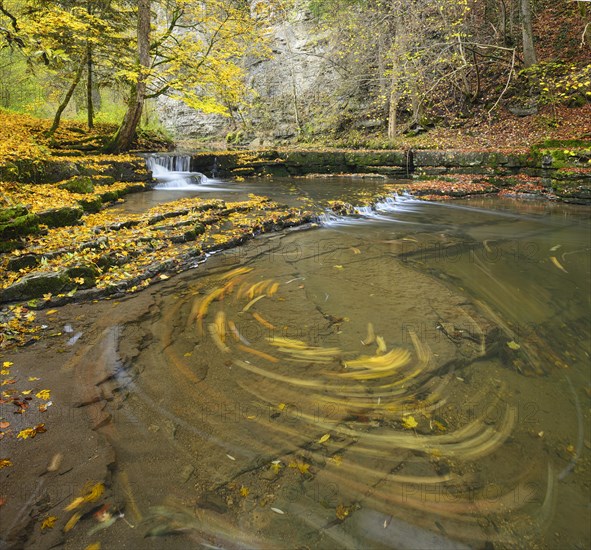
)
(173, 172)
(328, 218)
(172, 163)
(376, 212)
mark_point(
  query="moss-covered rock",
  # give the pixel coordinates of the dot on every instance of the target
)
(8, 214)
(35, 285)
(61, 217)
(21, 262)
(78, 184)
(91, 205)
(83, 271)
(20, 226)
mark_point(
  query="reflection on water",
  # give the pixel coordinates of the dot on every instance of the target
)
(416, 379)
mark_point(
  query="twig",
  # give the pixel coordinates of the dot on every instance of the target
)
(506, 84)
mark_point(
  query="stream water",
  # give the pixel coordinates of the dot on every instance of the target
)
(416, 376)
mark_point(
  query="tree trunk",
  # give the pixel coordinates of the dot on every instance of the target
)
(529, 50)
(124, 136)
(69, 94)
(89, 101)
(393, 110)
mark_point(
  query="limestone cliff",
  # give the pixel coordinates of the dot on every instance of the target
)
(293, 91)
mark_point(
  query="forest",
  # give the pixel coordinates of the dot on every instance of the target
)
(390, 68)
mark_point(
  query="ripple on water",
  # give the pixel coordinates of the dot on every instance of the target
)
(324, 395)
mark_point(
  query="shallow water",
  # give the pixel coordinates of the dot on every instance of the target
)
(415, 377)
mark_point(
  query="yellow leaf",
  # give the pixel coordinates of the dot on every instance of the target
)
(51, 312)
(338, 267)
(48, 522)
(94, 546)
(26, 433)
(342, 511)
(26, 392)
(244, 491)
(324, 438)
(301, 466)
(33, 378)
(7, 364)
(513, 345)
(95, 492)
(72, 521)
(555, 261)
(337, 460)
(409, 422)
(164, 277)
(5, 463)
(43, 394)
(74, 504)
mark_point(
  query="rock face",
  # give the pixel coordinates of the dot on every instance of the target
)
(184, 122)
(293, 85)
(292, 90)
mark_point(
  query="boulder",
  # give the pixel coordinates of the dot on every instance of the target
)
(79, 184)
(35, 285)
(60, 217)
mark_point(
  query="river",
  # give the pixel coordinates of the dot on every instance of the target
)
(412, 376)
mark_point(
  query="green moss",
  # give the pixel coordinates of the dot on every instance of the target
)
(35, 285)
(8, 214)
(87, 272)
(91, 205)
(61, 217)
(20, 226)
(79, 184)
(562, 143)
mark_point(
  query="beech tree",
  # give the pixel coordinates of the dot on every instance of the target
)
(193, 56)
(529, 50)
(125, 134)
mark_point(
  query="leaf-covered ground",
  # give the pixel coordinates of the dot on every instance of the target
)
(24, 137)
(112, 251)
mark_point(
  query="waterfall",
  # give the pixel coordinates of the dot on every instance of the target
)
(174, 172)
(172, 163)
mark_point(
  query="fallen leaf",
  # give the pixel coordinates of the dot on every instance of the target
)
(278, 511)
(48, 522)
(324, 438)
(26, 433)
(513, 345)
(555, 261)
(409, 422)
(342, 512)
(5, 463)
(43, 394)
(72, 522)
(303, 467)
(4, 425)
(51, 312)
(244, 491)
